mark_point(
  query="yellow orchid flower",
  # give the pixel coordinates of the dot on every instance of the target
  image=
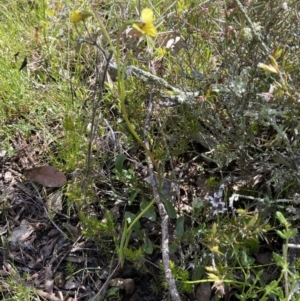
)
(79, 15)
(146, 25)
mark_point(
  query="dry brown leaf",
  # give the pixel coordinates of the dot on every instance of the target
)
(22, 232)
(48, 281)
(203, 292)
(54, 202)
(47, 176)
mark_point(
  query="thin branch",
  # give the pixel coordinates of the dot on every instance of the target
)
(163, 214)
(263, 46)
(176, 95)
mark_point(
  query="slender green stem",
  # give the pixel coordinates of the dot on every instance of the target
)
(127, 231)
(104, 31)
(140, 215)
(122, 244)
(121, 87)
(121, 90)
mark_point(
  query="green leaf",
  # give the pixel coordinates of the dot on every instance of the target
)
(147, 246)
(246, 260)
(150, 213)
(130, 217)
(281, 234)
(271, 287)
(133, 193)
(252, 244)
(112, 292)
(281, 218)
(180, 226)
(119, 162)
(293, 232)
(168, 206)
(173, 248)
(253, 296)
(170, 209)
(260, 277)
(279, 260)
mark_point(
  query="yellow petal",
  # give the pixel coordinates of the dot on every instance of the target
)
(146, 26)
(215, 249)
(138, 27)
(147, 15)
(149, 29)
(77, 15)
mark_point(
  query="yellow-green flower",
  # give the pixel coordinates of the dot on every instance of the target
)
(146, 25)
(79, 15)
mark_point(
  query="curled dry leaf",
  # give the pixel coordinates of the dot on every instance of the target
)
(21, 233)
(47, 176)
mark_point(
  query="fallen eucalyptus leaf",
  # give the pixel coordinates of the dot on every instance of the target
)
(47, 176)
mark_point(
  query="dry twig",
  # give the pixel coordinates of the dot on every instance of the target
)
(163, 214)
